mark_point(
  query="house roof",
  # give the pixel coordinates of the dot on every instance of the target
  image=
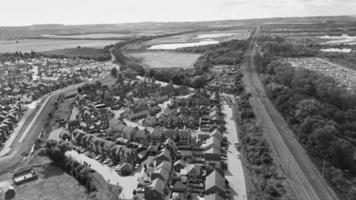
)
(141, 133)
(114, 122)
(216, 133)
(171, 133)
(214, 196)
(163, 172)
(184, 133)
(157, 132)
(165, 153)
(215, 179)
(158, 185)
(213, 150)
(165, 164)
(213, 141)
(129, 130)
(179, 162)
(171, 143)
(193, 168)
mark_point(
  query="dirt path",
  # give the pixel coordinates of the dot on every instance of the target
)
(303, 176)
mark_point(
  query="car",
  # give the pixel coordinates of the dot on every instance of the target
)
(107, 161)
(147, 180)
(97, 157)
(237, 145)
(140, 190)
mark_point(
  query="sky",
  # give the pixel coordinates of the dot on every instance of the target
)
(28, 12)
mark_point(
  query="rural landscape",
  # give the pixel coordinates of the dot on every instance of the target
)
(235, 109)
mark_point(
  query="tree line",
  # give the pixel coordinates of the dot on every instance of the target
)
(320, 112)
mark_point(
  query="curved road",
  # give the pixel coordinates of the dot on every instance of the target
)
(303, 176)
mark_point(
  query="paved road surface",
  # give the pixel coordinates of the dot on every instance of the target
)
(235, 173)
(304, 177)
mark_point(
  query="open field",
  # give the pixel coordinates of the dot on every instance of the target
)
(53, 183)
(79, 52)
(344, 76)
(166, 59)
(39, 45)
(88, 36)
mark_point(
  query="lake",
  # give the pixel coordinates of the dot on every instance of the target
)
(181, 45)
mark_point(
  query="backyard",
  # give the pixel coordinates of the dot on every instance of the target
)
(52, 184)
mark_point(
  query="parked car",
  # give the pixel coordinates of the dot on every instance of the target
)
(107, 161)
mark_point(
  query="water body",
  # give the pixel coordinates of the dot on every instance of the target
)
(181, 45)
(343, 50)
(343, 39)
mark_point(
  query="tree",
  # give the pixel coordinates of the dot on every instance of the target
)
(199, 81)
(113, 72)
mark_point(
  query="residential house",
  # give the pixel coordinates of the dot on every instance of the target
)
(141, 136)
(213, 197)
(154, 110)
(171, 146)
(150, 121)
(171, 133)
(191, 170)
(179, 164)
(157, 135)
(212, 154)
(184, 137)
(213, 141)
(165, 155)
(129, 132)
(216, 133)
(156, 191)
(215, 184)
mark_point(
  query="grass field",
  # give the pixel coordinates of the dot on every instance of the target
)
(40, 45)
(87, 36)
(157, 59)
(54, 184)
(79, 52)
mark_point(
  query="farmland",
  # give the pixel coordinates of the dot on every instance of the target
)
(80, 52)
(88, 36)
(164, 59)
(39, 45)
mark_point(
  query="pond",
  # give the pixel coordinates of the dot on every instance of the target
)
(341, 50)
(343, 39)
(181, 45)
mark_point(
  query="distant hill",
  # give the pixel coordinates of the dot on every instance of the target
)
(149, 28)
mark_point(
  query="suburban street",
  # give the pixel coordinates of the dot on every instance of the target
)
(304, 177)
(29, 128)
(234, 174)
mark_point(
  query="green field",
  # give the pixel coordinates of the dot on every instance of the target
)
(39, 45)
(164, 59)
(53, 183)
(79, 52)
